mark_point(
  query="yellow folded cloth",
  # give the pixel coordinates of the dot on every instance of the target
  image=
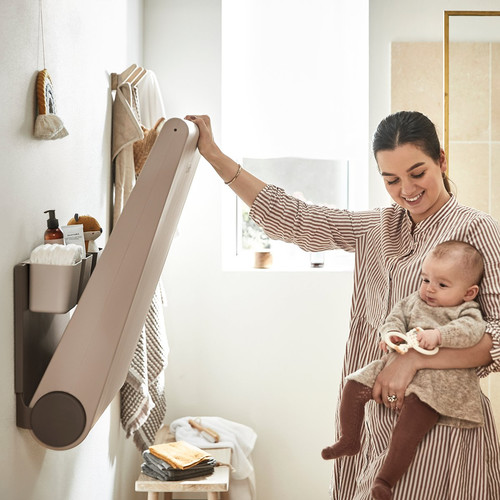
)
(179, 454)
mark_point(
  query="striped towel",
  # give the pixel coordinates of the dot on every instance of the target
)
(142, 397)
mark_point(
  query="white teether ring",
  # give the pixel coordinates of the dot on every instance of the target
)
(411, 342)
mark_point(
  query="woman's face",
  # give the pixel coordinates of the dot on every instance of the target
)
(414, 180)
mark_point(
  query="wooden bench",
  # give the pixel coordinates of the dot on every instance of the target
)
(214, 484)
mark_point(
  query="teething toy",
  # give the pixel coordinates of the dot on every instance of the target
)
(411, 342)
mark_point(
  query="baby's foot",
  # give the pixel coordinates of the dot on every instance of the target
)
(341, 448)
(381, 490)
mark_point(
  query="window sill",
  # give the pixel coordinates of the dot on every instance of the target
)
(341, 263)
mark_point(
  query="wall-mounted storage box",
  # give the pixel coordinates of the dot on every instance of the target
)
(56, 289)
(53, 291)
(87, 268)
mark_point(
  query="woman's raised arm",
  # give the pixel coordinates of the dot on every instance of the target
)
(244, 184)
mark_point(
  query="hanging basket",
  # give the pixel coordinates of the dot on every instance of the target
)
(143, 147)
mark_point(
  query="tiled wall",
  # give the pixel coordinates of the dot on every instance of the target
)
(475, 123)
(474, 138)
(417, 79)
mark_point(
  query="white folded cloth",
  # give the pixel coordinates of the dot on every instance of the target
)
(239, 437)
(58, 255)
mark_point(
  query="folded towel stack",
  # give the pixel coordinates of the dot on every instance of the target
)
(58, 255)
(177, 461)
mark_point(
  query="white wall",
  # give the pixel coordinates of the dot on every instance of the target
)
(84, 41)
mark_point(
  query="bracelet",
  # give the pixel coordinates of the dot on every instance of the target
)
(228, 183)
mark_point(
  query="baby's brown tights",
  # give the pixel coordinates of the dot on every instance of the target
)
(415, 420)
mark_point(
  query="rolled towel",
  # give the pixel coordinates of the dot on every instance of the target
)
(57, 255)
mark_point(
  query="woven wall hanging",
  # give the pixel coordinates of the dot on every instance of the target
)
(47, 124)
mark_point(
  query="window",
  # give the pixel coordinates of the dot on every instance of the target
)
(323, 182)
(294, 101)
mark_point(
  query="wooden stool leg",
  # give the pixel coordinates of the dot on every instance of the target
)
(153, 495)
(212, 495)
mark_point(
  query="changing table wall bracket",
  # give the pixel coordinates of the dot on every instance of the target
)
(70, 361)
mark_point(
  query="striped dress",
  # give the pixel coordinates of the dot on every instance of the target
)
(451, 463)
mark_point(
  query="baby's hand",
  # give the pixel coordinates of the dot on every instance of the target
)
(383, 346)
(429, 339)
(395, 340)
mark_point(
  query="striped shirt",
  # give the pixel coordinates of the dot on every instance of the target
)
(451, 463)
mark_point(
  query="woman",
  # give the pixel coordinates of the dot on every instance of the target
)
(390, 245)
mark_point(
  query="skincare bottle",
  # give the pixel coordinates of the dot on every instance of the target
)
(53, 234)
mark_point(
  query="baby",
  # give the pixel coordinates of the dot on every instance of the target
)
(447, 316)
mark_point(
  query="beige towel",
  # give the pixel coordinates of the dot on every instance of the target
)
(126, 130)
(179, 454)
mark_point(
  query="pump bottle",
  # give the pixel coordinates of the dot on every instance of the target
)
(53, 234)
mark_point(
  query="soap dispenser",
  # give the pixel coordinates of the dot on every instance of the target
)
(53, 234)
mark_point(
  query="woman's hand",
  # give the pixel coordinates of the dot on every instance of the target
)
(245, 185)
(206, 143)
(394, 379)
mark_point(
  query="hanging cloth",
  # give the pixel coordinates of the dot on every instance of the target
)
(126, 130)
(151, 114)
(150, 99)
(47, 124)
(142, 396)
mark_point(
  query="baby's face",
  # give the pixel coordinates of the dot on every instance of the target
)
(444, 283)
